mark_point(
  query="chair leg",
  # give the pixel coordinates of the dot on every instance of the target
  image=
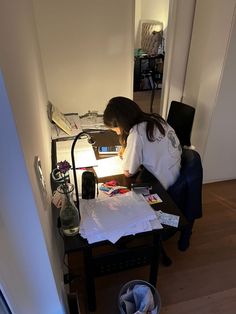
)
(185, 235)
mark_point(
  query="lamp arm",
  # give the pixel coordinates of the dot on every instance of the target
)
(73, 163)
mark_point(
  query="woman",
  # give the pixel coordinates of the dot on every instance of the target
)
(146, 139)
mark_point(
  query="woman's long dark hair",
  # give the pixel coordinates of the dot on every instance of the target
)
(124, 113)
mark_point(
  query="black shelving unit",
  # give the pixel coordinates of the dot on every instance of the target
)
(148, 72)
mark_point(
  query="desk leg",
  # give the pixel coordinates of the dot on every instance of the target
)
(89, 278)
(155, 260)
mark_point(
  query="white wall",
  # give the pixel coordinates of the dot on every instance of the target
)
(150, 10)
(155, 10)
(137, 28)
(25, 271)
(30, 271)
(210, 69)
(179, 32)
(87, 51)
(220, 152)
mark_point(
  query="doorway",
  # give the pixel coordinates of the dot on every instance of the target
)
(151, 17)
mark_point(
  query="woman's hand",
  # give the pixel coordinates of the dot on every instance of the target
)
(127, 174)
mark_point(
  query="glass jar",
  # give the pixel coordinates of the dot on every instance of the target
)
(69, 214)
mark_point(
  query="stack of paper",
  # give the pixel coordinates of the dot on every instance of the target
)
(112, 218)
(92, 121)
(73, 129)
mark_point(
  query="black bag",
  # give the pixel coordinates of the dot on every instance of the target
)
(88, 185)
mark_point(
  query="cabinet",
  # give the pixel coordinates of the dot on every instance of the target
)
(148, 72)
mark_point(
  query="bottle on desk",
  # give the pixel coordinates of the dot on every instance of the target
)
(69, 214)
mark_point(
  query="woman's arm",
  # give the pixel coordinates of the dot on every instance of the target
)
(132, 156)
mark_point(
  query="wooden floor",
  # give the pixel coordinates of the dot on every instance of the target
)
(143, 99)
(201, 280)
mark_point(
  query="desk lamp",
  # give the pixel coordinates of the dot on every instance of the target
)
(90, 141)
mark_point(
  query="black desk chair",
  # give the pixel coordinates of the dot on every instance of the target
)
(186, 192)
(180, 118)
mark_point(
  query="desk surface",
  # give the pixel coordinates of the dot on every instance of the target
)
(78, 243)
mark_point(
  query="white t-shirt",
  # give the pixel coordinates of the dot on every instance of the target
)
(162, 157)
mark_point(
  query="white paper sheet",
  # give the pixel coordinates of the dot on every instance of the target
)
(113, 217)
(167, 219)
(109, 167)
(93, 120)
(76, 128)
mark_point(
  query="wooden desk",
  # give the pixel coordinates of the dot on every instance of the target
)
(122, 256)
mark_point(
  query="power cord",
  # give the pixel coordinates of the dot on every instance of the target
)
(69, 277)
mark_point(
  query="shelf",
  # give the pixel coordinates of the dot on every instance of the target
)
(148, 72)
